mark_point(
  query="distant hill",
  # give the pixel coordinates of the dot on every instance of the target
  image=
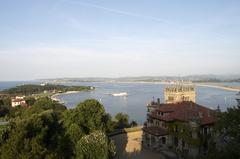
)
(194, 78)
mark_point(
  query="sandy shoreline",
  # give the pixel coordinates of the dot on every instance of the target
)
(218, 87)
(211, 85)
(55, 96)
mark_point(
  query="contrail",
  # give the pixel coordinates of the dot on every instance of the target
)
(119, 11)
(156, 19)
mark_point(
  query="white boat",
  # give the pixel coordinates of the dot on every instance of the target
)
(120, 94)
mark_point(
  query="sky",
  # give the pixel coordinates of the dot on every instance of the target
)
(117, 38)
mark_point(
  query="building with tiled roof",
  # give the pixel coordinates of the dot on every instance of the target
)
(18, 101)
(184, 126)
(185, 111)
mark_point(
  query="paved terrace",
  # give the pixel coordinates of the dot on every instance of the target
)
(129, 146)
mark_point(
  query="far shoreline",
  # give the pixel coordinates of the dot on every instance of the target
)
(55, 96)
(214, 85)
(209, 85)
(199, 84)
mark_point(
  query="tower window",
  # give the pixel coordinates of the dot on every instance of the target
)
(170, 98)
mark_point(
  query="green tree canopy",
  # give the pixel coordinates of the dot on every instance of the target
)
(133, 124)
(43, 104)
(95, 146)
(48, 130)
(29, 89)
(227, 142)
(30, 100)
(5, 101)
(4, 110)
(122, 120)
(229, 128)
(39, 136)
(89, 116)
(39, 106)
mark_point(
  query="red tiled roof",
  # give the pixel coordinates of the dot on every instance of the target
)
(18, 100)
(157, 131)
(185, 111)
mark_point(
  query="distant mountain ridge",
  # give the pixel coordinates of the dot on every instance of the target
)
(194, 78)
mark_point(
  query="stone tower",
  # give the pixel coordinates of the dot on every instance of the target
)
(179, 92)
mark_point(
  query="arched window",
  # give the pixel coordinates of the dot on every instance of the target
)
(163, 140)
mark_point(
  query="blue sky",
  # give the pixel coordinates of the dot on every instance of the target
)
(106, 38)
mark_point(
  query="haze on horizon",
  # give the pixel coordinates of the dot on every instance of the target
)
(104, 38)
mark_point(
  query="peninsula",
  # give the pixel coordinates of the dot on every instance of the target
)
(42, 90)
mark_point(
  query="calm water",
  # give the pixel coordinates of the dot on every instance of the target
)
(139, 94)
(9, 84)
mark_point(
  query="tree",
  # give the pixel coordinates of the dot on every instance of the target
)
(75, 133)
(15, 112)
(29, 89)
(108, 123)
(41, 105)
(5, 101)
(30, 101)
(89, 116)
(46, 103)
(229, 127)
(227, 142)
(48, 130)
(40, 136)
(122, 120)
(95, 146)
(4, 110)
(133, 124)
(4, 130)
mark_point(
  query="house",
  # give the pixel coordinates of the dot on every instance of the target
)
(183, 125)
(18, 101)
